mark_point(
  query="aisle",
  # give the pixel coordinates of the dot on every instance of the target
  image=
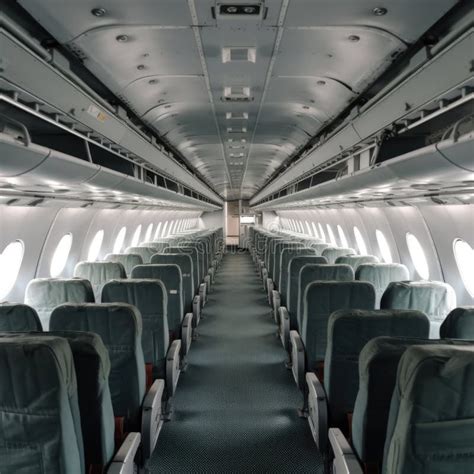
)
(235, 407)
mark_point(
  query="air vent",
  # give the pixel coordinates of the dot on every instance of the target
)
(236, 130)
(237, 94)
(242, 11)
(239, 54)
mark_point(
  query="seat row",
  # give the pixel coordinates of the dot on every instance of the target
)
(111, 368)
(325, 318)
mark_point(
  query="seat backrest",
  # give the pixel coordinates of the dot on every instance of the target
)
(378, 362)
(355, 260)
(199, 249)
(193, 253)
(44, 294)
(170, 275)
(318, 247)
(458, 325)
(145, 252)
(150, 298)
(381, 275)
(92, 366)
(274, 261)
(280, 249)
(185, 263)
(333, 253)
(324, 272)
(321, 299)
(434, 298)
(348, 332)
(128, 260)
(292, 289)
(287, 255)
(157, 245)
(431, 421)
(98, 274)
(270, 250)
(18, 317)
(39, 409)
(120, 328)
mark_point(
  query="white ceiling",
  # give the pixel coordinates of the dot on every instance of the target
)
(313, 57)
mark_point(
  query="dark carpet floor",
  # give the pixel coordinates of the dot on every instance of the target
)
(235, 407)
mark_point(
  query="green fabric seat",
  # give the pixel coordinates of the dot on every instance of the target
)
(145, 252)
(98, 274)
(431, 420)
(459, 324)
(331, 254)
(40, 425)
(434, 298)
(120, 328)
(321, 299)
(287, 255)
(185, 263)
(314, 272)
(318, 247)
(193, 253)
(92, 365)
(293, 285)
(170, 275)
(157, 245)
(348, 332)
(18, 317)
(355, 260)
(128, 260)
(44, 294)
(280, 249)
(150, 298)
(274, 261)
(381, 275)
(199, 250)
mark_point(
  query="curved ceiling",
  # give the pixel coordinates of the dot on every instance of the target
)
(296, 68)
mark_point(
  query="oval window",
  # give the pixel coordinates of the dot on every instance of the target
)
(331, 235)
(384, 247)
(360, 241)
(95, 246)
(10, 264)
(342, 236)
(315, 232)
(149, 230)
(119, 240)
(164, 234)
(60, 255)
(157, 231)
(464, 255)
(136, 236)
(322, 235)
(418, 256)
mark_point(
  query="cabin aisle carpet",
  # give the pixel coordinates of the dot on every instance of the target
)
(235, 407)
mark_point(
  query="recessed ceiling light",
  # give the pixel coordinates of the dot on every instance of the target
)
(379, 11)
(236, 115)
(141, 67)
(321, 83)
(98, 12)
(354, 38)
(153, 81)
(239, 54)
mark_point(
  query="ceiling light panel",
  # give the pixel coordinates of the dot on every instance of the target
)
(239, 54)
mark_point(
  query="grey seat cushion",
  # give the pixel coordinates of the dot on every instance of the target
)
(292, 292)
(170, 275)
(145, 252)
(435, 298)
(150, 298)
(310, 273)
(120, 328)
(318, 247)
(459, 324)
(44, 294)
(321, 299)
(287, 255)
(381, 275)
(185, 263)
(332, 253)
(18, 317)
(274, 269)
(348, 332)
(39, 409)
(193, 253)
(431, 420)
(355, 260)
(128, 260)
(98, 274)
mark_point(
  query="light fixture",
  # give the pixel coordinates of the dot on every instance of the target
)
(98, 12)
(354, 38)
(122, 38)
(321, 83)
(379, 11)
(153, 81)
(141, 67)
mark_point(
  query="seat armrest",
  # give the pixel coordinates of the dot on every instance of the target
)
(298, 360)
(186, 333)
(318, 411)
(270, 288)
(196, 310)
(124, 460)
(172, 367)
(151, 417)
(275, 304)
(345, 461)
(202, 294)
(284, 324)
